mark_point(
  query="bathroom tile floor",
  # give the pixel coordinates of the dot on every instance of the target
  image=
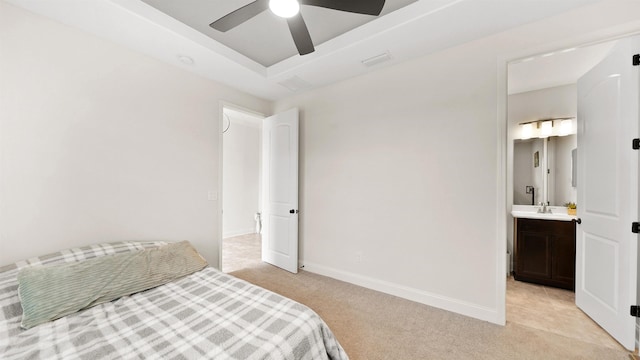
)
(553, 310)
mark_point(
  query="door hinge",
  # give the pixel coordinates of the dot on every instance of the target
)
(635, 227)
(635, 310)
(636, 59)
(636, 144)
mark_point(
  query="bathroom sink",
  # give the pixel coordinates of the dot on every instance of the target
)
(531, 212)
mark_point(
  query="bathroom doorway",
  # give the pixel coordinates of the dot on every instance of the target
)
(241, 188)
(542, 88)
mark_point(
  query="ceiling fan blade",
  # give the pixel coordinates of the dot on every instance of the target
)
(239, 16)
(300, 34)
(367, 7)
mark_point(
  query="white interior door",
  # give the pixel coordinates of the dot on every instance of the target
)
(280, 190)
(606, 249)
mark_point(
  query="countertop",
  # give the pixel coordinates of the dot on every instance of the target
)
(531, 212)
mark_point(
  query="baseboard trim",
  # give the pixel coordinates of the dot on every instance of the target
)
(229, 234)
(409, 293)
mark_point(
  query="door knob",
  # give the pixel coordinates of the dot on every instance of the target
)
(292, 211)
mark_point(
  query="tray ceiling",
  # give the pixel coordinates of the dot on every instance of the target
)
(265, 38)
(177, 32)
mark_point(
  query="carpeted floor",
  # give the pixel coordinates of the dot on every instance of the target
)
(372, 325)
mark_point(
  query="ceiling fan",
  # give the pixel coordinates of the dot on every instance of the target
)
(290, 9)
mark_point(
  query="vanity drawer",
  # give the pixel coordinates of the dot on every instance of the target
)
(546, 226)
(532, 225)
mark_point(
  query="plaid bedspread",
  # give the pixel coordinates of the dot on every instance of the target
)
(206, 315)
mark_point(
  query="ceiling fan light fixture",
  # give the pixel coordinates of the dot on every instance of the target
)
(284, 8)
(290, 9)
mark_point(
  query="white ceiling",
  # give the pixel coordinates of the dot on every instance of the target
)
(561, 67)
(420, 28)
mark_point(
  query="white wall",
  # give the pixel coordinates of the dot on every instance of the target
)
(400, 168)
(241, 175)
(99, 143)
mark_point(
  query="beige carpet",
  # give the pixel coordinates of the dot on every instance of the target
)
(372, 325)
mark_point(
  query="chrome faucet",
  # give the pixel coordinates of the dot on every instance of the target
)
(543, 209)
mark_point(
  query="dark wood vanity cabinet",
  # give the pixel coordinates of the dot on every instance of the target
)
(545, 252)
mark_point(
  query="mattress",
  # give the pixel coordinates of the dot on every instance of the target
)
(207, 314)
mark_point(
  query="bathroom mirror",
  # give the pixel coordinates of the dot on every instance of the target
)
(527, 177)
(552, 180)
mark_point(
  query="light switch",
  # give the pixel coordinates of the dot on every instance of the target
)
(212, 195)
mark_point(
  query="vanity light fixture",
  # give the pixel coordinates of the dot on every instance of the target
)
(566, 127)
(548, 127)
(526, 131)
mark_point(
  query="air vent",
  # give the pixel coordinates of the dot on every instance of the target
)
(295, 84)
(375, 60)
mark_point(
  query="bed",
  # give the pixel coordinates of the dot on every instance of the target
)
(204, 315)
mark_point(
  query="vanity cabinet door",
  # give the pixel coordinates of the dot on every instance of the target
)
(545, 252)
(534, 255)
(564, 255)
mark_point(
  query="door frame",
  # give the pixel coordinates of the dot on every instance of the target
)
(504, 197)
(219, 128)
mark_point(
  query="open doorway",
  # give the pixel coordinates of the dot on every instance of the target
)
(241, 188)
(541, 89)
